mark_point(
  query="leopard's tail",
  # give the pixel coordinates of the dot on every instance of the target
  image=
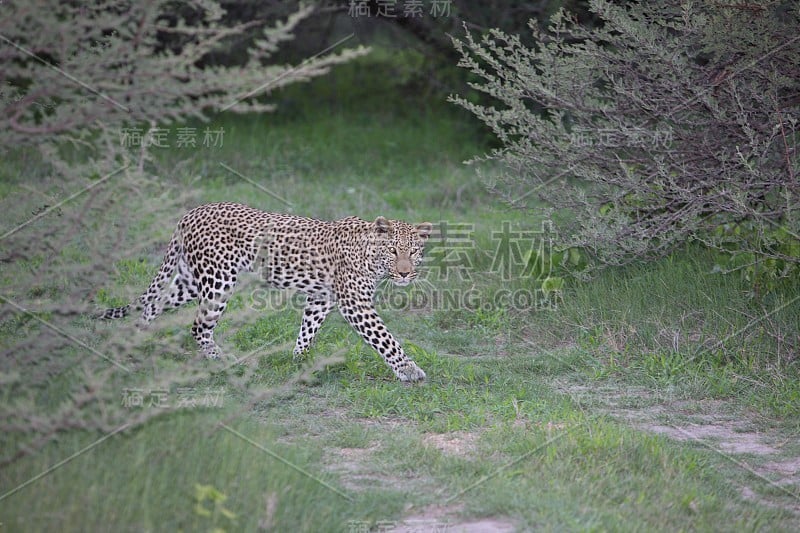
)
(114, 313)
(154, 291)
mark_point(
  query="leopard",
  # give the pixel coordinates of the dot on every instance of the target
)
(335, 264)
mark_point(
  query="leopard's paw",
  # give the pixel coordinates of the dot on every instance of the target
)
(409, 372)
(299, 354)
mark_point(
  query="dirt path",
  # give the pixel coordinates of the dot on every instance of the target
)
(741, 438)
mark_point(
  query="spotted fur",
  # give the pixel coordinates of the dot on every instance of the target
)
(333, 263)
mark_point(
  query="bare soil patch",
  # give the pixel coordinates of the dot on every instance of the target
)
(727, 436)
(437, 518)
(458, 443)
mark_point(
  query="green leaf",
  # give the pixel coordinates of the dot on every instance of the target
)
(201, 511)
(552, 283)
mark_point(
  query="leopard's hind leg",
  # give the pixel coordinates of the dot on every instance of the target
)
(182, 290)
(153, 300)
(213, 298)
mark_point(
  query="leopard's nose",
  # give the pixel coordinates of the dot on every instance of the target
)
(404, 267)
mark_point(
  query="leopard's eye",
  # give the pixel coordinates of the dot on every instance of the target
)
(393, 250)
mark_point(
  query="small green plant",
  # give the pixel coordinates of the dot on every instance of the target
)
(768, 272)
(209, 503)
(490, 318)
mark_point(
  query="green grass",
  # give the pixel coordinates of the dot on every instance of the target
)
(147, 480)
(536, 417)
(675, 325)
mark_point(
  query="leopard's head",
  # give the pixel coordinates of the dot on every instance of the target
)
(401, 246)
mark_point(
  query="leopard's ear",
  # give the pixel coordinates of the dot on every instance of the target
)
(425, 229)
(383, 225)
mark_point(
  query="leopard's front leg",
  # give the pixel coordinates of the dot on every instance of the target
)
(361, 314)
(317, 308)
